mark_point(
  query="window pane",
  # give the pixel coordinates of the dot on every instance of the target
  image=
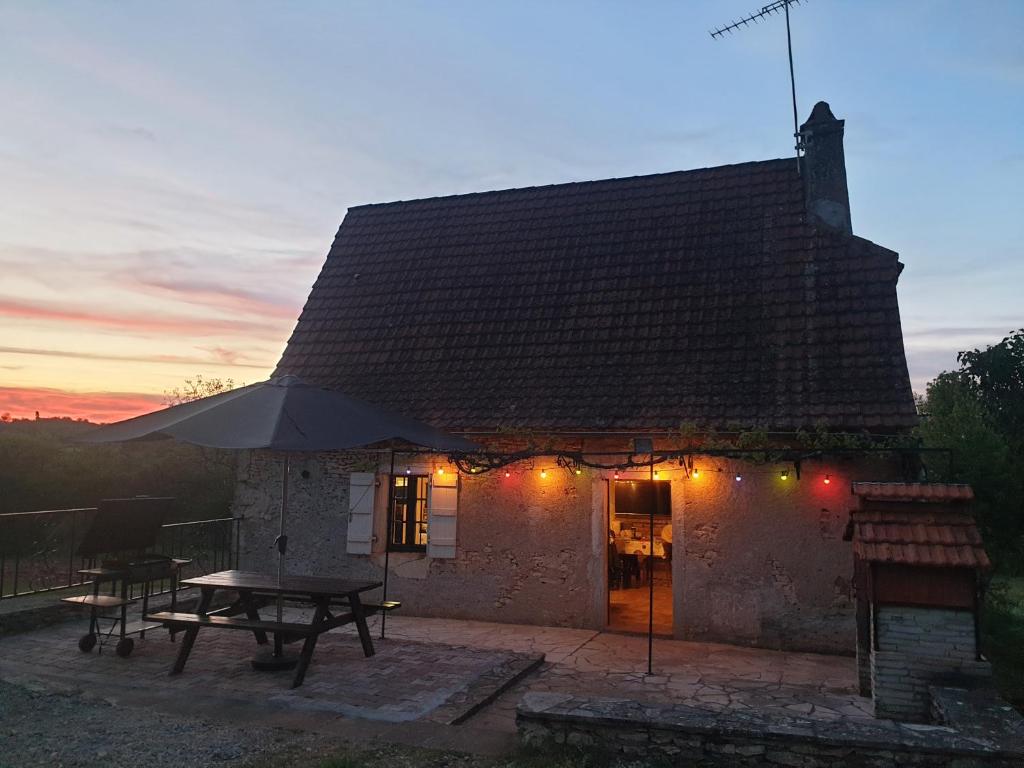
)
(409, 511)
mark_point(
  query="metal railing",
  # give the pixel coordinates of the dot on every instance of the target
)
(38, 549)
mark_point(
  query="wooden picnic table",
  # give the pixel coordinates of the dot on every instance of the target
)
(254, 590)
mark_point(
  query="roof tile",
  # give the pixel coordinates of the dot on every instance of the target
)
(638, 303)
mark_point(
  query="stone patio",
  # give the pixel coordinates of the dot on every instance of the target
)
(441, 670)
(405, 680)
(433, 673)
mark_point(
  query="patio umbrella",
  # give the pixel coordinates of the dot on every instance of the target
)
(283, 414)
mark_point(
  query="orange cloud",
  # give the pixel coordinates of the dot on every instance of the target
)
(210, 294)
(132, 322)
(218, 355)
(101, 407)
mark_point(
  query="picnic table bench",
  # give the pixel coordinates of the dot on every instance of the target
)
(256, 590)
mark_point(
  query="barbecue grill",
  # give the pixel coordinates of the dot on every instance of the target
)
(118, 539)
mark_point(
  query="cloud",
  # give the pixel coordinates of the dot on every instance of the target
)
(926, 364)
(137, 322)
(229, 356)
(25, 402)
(986, 332)
(136, 132)
(218, 355)
(213, 294)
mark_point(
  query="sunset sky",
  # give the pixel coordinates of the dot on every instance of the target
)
(172, 174)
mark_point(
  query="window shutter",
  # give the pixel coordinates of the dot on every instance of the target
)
(361, 494)
(442, 509)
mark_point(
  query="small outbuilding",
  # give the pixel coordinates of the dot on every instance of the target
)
(919, 569)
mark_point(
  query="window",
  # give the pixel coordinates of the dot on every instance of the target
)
(409, 513)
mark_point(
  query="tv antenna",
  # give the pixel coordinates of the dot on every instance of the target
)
(770, 10)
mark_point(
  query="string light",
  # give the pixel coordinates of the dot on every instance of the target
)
(408, 470)
(739, 478)
(579, 471)
(616, 475)
(440, 470)
(656, 474)
(695, 474)
(543, 473)
(784, 474)
(507, 473)
(827, 480)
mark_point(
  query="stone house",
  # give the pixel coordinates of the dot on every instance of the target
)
(574, 320)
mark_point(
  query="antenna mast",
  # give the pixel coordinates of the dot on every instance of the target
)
(769, 10)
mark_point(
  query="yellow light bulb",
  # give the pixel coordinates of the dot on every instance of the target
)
(696, 474)
(543, 473)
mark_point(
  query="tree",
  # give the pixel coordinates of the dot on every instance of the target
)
(42, 466)
(995, 376)
(978, 411)
(196, 389)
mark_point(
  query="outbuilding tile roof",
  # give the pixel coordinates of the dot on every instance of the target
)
(625, 304)
(913, 491)
(924, 537)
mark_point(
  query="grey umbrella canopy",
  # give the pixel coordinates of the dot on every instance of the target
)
(283, 414)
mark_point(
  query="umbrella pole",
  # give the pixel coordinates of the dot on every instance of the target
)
(282, 540)
(650, 576)
(387, 540)
(277, 659)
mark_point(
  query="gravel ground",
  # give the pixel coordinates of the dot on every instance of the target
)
(55, 730)
(64, 731)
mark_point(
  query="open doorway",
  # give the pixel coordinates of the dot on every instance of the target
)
(639, 563)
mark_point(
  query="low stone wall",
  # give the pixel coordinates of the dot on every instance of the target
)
(917, 648)
(705, 739)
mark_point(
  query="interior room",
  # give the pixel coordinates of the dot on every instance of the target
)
(639, 557)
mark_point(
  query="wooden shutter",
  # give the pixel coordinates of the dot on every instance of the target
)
(362, 492)
(442, 511)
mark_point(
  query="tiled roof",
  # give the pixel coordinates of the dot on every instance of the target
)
(919, 537)
(913, 491)
(625, 304)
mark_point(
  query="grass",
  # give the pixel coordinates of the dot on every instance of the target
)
(1003, 635)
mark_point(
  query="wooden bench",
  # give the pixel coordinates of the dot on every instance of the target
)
(98, 601)
(181, 620)
(369, 608)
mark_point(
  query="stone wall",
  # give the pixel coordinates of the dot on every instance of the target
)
(763, 559)
(525, 554)
(760, 561)
(917, 648)
(681, 735)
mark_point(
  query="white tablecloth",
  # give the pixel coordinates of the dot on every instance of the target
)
(639, 547)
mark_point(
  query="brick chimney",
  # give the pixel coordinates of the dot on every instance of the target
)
(824, 170)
